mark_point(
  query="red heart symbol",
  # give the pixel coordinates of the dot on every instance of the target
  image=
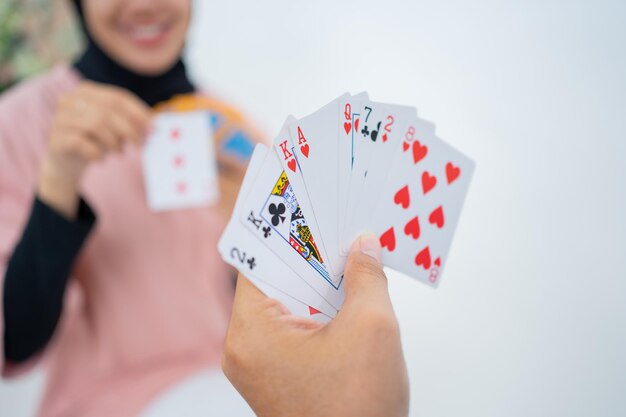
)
(175, 133)
(388, 240)
(423, 258)
(347, 126)
(436, 217)
(384, 138)
(305, 149)
(181, 188)
(452, 172)
(412, 228)
(356, 124)
(405, 146)
(292, 165)
(438, 262)
(178, 161)
(313, 311)
(419, 151)
(402, 197)
(428, 182)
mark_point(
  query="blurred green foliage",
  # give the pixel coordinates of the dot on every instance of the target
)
(34, 35)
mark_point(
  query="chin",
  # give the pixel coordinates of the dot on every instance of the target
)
(149, 66)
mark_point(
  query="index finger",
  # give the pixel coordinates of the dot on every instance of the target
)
(251, 302)
(124, 103)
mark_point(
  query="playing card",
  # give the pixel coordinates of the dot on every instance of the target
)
(296, 307)
(348, 126)
(286, 152)
(382, 127)
(259, 264)
(179, 162)
(272, 212)
(351, 167)
(314, 139)
(420, 205)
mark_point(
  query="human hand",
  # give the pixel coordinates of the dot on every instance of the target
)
(90, 122)
(290, 366)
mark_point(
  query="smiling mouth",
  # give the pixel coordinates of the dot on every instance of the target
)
(147, 34)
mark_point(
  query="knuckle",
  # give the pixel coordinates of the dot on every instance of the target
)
(362, 264)
(63, 101)
(97, 122)
(85, 150)
(74, 141)
(268, 304)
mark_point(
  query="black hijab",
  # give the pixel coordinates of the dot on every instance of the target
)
(97, 66)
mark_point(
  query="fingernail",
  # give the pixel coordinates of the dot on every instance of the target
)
(369, 245)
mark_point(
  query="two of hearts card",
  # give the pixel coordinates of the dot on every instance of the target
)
(354, 166)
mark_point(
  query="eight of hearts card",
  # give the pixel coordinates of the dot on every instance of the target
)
(351, 167)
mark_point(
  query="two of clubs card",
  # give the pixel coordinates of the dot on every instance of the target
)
(179, 165)
(354, 166)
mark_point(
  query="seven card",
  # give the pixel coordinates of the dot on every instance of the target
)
(378, 138)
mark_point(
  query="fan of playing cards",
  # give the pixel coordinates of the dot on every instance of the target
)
(351, 167)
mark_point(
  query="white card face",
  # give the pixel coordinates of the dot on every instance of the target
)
(285, 150)
(380, 135)
(258, 263)
(272, 213)
(179, 164)
(315, 147)
(420, 205)
(297, 308)
(348, 128)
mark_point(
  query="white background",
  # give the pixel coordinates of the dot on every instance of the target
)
(530, 317)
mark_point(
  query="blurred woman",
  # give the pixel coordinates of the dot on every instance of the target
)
(120, 302)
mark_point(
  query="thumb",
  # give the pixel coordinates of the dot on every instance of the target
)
(365, 282)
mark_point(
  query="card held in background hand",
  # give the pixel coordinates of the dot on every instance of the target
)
(179, 164)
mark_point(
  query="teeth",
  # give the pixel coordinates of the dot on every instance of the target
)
(147, 31)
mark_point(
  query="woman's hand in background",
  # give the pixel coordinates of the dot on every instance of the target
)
(90, 122)
(231, 173)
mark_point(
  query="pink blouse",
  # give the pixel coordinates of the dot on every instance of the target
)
(149, 298)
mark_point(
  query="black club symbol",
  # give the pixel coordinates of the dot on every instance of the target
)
(251, 262)
(365, 131)
(266, 231)
(277, 212)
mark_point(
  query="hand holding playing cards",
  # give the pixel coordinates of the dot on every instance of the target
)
(90, 122)
(284, 365)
